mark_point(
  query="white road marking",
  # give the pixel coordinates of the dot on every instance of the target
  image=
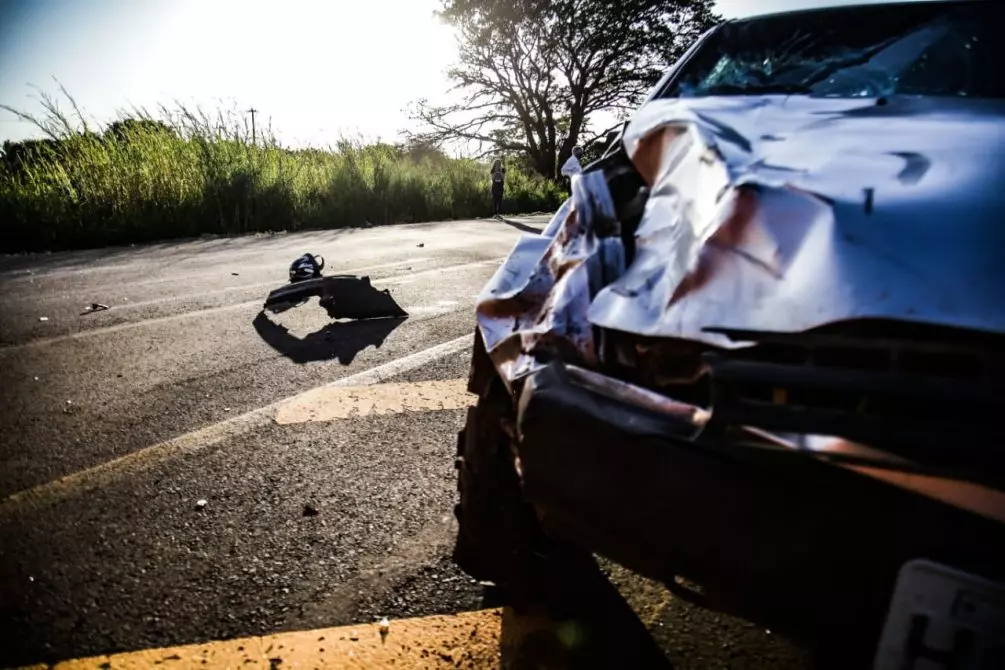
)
(386, 281)
(257, 285)
(197, 440)
(411, 276)
(13, 298)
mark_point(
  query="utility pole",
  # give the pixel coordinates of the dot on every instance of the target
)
(252, 111)
(250, 218)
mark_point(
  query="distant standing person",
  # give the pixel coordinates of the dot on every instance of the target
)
(498, 174)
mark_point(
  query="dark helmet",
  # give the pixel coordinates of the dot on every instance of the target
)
(307, 266)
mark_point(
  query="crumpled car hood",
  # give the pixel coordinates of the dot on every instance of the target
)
(778, 213)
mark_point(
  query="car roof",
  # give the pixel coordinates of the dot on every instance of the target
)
(852, 6)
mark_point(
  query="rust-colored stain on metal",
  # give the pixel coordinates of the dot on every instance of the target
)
(652, 149)
(730, 235)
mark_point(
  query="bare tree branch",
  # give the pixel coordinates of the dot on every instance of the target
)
(533, 73)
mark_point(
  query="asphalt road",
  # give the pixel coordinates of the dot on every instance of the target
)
(116, 424)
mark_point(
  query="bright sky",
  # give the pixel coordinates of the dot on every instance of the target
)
(318, 68)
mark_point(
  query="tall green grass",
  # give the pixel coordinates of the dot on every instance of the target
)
(204, 175)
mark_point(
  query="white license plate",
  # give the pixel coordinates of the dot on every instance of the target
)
(941, 618)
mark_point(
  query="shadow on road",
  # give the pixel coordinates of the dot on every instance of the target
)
(585, 623)
(522, 226)
(340, 340)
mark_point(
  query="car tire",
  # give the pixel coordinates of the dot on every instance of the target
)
(499, 537)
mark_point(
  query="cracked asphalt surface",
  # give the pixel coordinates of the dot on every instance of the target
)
(304, 525)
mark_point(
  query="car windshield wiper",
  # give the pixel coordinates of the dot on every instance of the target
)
(756, 89)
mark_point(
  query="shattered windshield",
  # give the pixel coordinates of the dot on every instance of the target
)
(932, 49)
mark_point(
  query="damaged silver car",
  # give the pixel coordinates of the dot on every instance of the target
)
(760, 350)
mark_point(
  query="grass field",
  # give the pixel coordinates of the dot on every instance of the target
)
(189, 173)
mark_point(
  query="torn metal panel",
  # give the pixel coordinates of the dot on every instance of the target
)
(758, 217)
(637, 396)
(536, 304)
(780, 213)
(558, 219)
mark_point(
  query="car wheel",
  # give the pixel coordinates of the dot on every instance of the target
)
(499, 538)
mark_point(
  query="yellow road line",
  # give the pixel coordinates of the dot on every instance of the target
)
(327, 404)
(467, 640)
(197, 440)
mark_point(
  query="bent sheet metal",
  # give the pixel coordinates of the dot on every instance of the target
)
(778, 213)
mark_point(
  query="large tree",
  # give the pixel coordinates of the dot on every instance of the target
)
(532, 74)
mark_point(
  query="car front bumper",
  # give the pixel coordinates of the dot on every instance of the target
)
(771, 533)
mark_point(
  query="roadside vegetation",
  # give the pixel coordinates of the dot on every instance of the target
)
(184, 172)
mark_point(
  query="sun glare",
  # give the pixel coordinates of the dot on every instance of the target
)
(318, 69)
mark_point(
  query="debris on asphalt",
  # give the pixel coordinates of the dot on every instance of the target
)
(421, 244)
(236, 274)
(307, 266)
(342, 296)
(310, 510)
(201, 503)
(94, 307)
(43, 318)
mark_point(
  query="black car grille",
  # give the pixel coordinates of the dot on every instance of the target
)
(928, 394)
